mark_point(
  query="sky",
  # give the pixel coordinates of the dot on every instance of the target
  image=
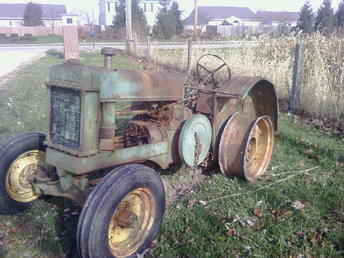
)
(187, 5)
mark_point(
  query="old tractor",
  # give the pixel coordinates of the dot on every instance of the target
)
(109, 129)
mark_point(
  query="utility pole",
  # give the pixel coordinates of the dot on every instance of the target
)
(131, 44)
(128, 9)
(195, 20)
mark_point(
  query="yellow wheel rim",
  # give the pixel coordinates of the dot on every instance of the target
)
(259, 148)
(20, 175)
(131, 222)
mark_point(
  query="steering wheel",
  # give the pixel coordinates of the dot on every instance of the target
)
(209, 77)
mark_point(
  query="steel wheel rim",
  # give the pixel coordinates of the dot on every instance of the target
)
(131, 222)
(20, 175)
(258, 149)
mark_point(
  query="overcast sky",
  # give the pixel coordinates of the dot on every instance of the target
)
(187, 5)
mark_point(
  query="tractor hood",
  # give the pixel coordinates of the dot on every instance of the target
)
(112, 85)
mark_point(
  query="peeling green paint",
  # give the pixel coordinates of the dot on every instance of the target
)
(83, 165)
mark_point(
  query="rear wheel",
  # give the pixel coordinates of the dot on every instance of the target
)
(246, 146)
(20, 160)
(123, 214)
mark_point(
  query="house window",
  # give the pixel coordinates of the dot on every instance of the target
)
(69, 21)
(145, 7)
(109, 6)
(152, 7)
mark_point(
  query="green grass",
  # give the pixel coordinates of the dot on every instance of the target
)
(220, 217)
(32, 40)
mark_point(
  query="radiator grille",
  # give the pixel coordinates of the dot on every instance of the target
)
(65, 117)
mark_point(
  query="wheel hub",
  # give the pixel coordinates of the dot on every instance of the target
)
(131, 222)
(20, 175)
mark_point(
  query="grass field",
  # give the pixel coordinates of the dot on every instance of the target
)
(296, 210)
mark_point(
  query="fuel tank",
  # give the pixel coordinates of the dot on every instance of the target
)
(131, 85)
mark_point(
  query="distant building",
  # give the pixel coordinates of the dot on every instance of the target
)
(278, 18)
(221, 15)
(151, 8)
(107, 11)
(225, 18)
(12, 15)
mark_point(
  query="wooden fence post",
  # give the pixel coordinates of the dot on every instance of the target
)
(71, 42)
(189, 55)
(294, 98)
(149, 48)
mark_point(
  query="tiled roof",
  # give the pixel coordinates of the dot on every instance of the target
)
(49, 11)
(207, 13)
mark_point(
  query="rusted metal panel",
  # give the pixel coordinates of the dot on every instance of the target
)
(126, 85)
(141, 85)
(261, 92)
(246, 145)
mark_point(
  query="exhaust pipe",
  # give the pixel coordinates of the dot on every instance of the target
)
(108, 53)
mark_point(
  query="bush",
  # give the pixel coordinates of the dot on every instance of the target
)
(55, 53)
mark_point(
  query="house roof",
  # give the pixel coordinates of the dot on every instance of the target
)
(268, 16)
(207, 13)
(49, 11)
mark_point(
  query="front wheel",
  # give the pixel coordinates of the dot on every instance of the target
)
(20, 160)
(123, 214)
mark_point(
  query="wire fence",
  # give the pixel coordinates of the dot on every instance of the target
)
(318, 79)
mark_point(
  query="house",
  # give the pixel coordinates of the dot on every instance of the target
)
(221, 15)
(12, 15)
(225, 18)
(107, 11)
(269, 18)
(150, 8)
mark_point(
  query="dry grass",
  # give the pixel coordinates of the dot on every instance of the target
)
(322, 93)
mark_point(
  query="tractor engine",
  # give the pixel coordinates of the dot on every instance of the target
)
(95, 110)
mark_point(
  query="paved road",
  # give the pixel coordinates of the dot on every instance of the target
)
(121, 45)
(13, 55)
(12, 59)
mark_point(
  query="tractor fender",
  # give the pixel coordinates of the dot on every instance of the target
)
(254, 96)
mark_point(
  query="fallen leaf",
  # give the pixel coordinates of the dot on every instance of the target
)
(297, 205)
(204, 203)
(251, 222)
(281, 214)
(300, 234)
(231, 232)
(258, 212)
(192, 203)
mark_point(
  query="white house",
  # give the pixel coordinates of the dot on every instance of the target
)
(12, 15)
(107, 11)
(221, 15)
(225, 17)
(151, 9)
(70, 19)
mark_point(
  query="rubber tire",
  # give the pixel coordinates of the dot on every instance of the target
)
(103, 200)
(14, 147)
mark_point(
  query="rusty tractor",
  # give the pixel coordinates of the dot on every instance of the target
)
(109, 128)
